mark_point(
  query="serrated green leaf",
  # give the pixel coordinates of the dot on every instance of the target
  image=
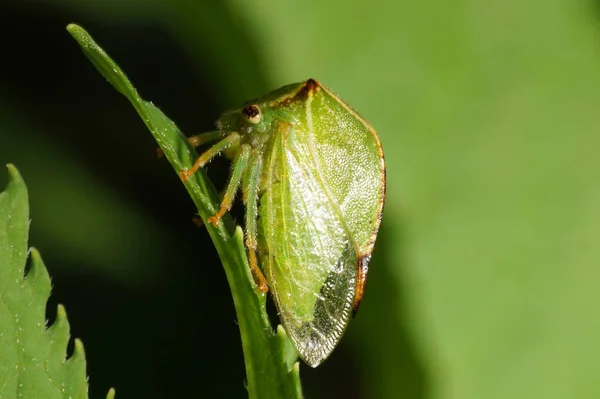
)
(33, 360)
(265, 352)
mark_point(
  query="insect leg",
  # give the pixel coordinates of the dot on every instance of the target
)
(196, 140)
(213, 151)
(250, 190)
(203, 138)
(239, 165)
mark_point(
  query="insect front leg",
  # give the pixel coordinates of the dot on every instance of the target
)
(239, 165)
(250, 191)
(213, 151)
(203, 138)
(196, 141)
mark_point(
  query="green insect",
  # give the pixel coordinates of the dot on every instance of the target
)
(313, 183)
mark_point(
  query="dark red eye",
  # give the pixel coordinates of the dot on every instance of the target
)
(252, 113)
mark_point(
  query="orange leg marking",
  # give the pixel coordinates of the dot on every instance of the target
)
(239, 165)
(361, 280)
(187, 173)
(209, 154)
(214, 219)
(258, 274)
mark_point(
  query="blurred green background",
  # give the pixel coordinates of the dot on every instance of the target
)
(485, 277)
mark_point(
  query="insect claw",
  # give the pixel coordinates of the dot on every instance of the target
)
(263, 287)
(214, 220)
(185, 174)
(261, 284)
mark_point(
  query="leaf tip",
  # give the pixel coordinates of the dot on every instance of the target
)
(38, 279)
(13, 172)
(79, 351)
(281, 331)
(15, 193)
(83, 38)
(239, 233)
(36, 261)
(74, 30)
(111, 394)
(61, 316)
(296, 368)
(289, 352)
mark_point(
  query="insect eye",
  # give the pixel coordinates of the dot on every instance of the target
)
(252, 114)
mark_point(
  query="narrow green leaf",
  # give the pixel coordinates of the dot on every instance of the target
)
(33, 360)
(265, 352)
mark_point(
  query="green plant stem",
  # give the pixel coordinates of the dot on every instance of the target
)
(266, 353)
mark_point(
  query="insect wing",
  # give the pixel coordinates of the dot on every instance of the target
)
(348, 154)
(309, 259)
(323, 195)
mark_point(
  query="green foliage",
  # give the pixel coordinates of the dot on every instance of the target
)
(266, 352)
(33, 360)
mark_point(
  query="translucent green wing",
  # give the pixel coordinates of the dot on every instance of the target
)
(347, 152)
(309, 260)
